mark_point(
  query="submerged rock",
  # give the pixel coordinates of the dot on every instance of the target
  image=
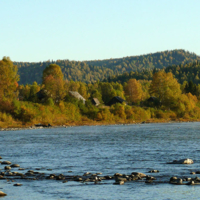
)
(119, 183)
(153, 171)
(6, 162)
(17, 184)
(15, 165)
(141, 175)
(182, 161)
(7, 168)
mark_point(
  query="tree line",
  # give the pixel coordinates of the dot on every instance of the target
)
(162, 98)
(98, 70)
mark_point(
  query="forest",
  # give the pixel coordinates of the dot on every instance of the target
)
(157, 94)
(98, 70)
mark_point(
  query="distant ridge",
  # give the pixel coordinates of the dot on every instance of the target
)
(91, 71)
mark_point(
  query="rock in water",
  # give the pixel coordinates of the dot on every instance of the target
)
(182, 161)
(6, 162)
(2, 194)
(15, 165)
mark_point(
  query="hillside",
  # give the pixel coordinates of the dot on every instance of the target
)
(91, 71)
(183, 72)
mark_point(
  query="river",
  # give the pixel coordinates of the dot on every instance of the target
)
(106, 149)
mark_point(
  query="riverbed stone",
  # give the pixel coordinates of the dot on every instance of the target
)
(29, 174)
(86, 173)
(150, 178)
(182, 161)
(2, 194)
(118, 179)
(15, 165)
(175, 180)
(118, 174)
(138, 174)
(119, 183)
(78, 179)
(6, 162)
(2, 177)
(17, 184)
(154, 171)
(7, 168)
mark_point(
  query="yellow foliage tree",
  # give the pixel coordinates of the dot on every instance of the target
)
(133, 91)
(53, 83)
(8, 79)
(165, 87)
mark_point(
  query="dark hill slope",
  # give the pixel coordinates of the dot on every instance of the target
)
(187, 72)
(90, 71)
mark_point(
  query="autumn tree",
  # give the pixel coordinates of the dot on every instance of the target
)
(133, 91)
(53, 82)
(165, 87)
(107, 91)
(8, 79)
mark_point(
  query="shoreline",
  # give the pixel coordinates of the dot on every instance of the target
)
(32, 127)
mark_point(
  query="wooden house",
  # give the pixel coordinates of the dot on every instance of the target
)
(77, 96)
(115, 100)
(95, 101)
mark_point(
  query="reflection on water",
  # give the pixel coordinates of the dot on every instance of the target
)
(106, 149)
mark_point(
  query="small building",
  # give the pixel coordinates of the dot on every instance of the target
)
(77, 96)
(95, 101)
(152, 101)
(115, 100)
(41, 95)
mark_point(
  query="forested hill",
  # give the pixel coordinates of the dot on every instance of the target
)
(183, 72)
(91, 71)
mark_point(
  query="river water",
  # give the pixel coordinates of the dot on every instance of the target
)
(106, 149)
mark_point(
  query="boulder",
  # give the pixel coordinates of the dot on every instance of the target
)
(7, 168)
(108, 177)
(2, 177)
(119, 183)
(141, 175)
(78, 179)
(182, 161)
(17, 184)
(6, 162)
(150, 178)
(15, 165)
(154, 171)
(118, 179)
(172, 179)
(118, 174)
(191, 183)
(175, 180)
(2, 194)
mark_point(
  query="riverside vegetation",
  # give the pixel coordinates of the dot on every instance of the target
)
(174, 93)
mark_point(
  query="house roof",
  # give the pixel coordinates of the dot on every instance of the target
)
(116, 99)
(152, 98)
(96, 101)
(119, 99)
(76, 95)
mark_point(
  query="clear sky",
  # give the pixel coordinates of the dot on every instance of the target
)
(39, 30)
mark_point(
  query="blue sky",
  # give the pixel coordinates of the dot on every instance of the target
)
(39, 30)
